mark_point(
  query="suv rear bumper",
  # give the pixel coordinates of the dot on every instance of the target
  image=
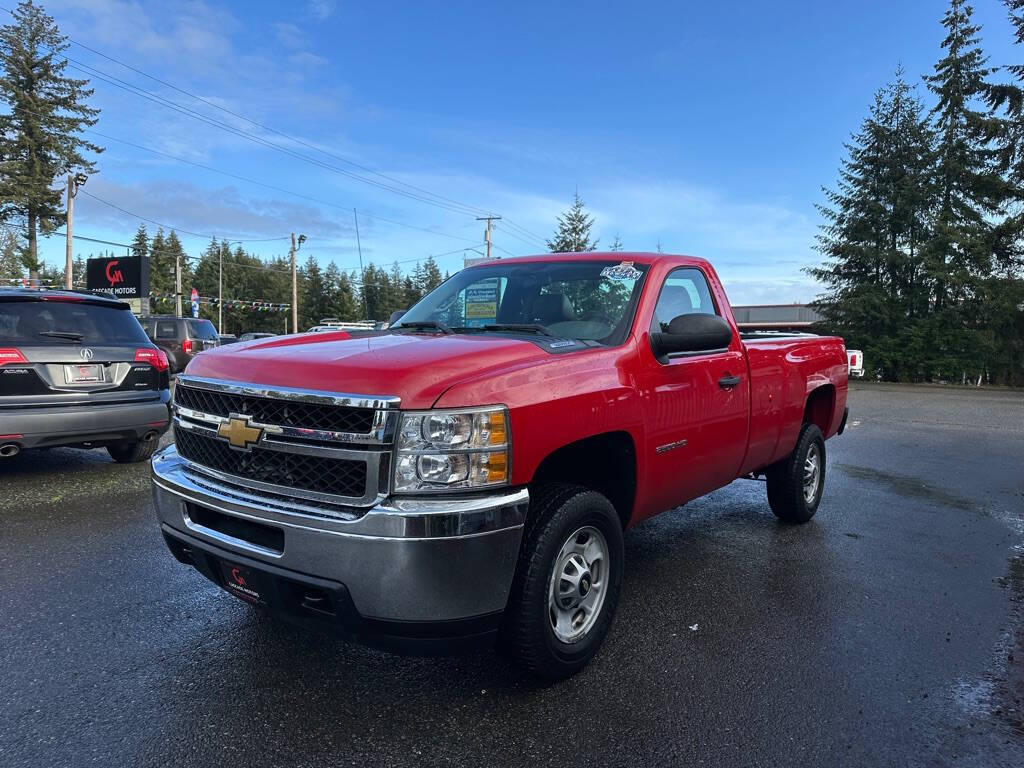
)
(92, 423)
(425, 575)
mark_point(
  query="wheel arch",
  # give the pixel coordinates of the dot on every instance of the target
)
(605, 463)
(820, 407)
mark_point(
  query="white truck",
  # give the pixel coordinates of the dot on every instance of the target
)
(855, 358)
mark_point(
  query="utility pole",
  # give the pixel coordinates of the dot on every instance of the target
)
(295, 283)
(75, 180)
(177, 285)
(487, 234)
(359, 245)
(295, 291)
(220, 292)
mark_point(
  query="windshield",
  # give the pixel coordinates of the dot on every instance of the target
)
(587, 300)
(202, 329)
(58, 322)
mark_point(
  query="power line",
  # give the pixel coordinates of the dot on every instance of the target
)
(118, 82)
(248, 135)
(258, 124)
(176, 229)
(276, 188)
(265, 185)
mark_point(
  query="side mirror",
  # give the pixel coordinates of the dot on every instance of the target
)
(396, 316)
(692, 333)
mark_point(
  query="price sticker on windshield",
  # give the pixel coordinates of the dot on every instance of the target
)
(622, 271)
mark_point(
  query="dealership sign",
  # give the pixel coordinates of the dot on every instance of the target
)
(127, 277)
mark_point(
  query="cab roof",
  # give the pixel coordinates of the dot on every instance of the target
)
(637, 257)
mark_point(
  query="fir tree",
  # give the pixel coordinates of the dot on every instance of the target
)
(573, 233)
(40, 136)
(616, 243)
(971, 192)
(876, 225)
(10, 257)
(140, 243)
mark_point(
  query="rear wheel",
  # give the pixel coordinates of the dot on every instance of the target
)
(796, 483)
(567, 582)
(134, 451)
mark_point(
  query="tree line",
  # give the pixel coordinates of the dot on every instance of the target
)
(922, 233)
(323, 292)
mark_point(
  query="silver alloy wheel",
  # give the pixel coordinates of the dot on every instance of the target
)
(578, 584)
(812, 473)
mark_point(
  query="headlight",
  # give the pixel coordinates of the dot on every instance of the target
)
(446, 450)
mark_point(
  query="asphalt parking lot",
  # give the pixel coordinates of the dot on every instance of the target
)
(888, 631)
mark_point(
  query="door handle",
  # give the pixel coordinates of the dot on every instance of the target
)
(728, 382)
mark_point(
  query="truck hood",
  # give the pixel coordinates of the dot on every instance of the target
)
(418, 368)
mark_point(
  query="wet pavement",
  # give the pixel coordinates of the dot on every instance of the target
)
(888, 631)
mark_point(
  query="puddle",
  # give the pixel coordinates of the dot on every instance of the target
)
(907, 486)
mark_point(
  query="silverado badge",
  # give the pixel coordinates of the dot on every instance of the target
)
(239, 431)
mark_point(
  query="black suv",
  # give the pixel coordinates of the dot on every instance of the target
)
(181, 338)
(76, 369)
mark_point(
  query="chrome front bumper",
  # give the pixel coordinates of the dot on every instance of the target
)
(409, 560)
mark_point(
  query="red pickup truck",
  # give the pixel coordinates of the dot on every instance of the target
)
(467, 474)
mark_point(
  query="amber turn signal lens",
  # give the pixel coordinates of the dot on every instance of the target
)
(499, 435)
(497, 467)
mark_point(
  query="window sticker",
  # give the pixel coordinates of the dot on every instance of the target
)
(622, 271)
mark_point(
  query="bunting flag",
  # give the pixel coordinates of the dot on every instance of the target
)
(258, 305)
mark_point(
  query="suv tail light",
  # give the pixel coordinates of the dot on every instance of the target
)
(154, 357)
(186, 346)
(11, 355)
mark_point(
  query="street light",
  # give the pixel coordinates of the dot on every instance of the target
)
(74, 182)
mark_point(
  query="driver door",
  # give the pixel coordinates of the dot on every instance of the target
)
(696, 404)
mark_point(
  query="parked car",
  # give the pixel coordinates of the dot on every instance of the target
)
(77, 369)
(254, 336)
(855, 358)
(468, 474)
(227, 338)
(181, 338)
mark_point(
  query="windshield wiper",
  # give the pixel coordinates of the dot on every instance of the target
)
(519, 328)
(421, 324)
(72, 335)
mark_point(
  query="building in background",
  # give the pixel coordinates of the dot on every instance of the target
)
(775, 317)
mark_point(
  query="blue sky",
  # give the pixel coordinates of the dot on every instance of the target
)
(709, 127)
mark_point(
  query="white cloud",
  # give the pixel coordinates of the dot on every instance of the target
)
(321, 9)
(223, 212)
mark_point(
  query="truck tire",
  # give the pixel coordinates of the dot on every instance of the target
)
(795, 484)
(554, 625)
(134, 451)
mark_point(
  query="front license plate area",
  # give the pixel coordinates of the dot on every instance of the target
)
(83, 374)
(242, 582)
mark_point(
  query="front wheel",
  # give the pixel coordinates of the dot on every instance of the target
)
(567, 582)
(795, 484)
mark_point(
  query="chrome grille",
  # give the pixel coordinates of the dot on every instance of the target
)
(341, 477)
(285, 413)
(319, 448)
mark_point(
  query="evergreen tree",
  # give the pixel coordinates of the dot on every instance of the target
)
(616, 243)
(971, 192)
(40, 138)
(876, 226)
(78, 272)
(10, 257)
(313, 299)
(573, 232)
(140, 243)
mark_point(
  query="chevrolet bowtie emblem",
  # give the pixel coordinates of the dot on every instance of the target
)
(239, 431)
